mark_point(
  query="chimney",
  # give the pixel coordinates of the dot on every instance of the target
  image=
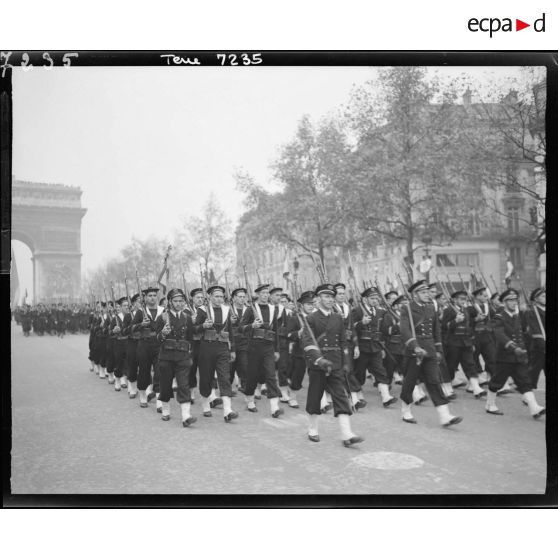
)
(467, 97)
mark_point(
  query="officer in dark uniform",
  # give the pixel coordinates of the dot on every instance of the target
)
(485, 345)
(282, 365)
(328, 365)
(216, 351)
(259, 323)
(197, 297)
(511, 355)
(240, 364)
(367, 318)
(392, 334)
(120, 344)
(132, 346)
(457, 329)
(421, 335)
(148, 346)
(535, 317)
(174, 331)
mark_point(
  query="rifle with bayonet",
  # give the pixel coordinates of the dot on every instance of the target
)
(533, 306)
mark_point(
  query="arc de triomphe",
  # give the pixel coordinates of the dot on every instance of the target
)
(47, 218)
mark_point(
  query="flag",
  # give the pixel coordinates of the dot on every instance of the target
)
(164, 273)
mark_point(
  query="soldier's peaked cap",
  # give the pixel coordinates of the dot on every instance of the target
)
(214, 288)
(339, 286)
(399, 300)
(275, 290)
(391, 292)
(418, 286)
(458, 293)
(150, 290)
(537, 292)
(509, 293)
(239, 290)
(134, 298)
(432, 285)
(495, 295)
(262, 287)
(370, 291)
(326, 288)
(306, 297)
(195, 291)
(479, 291)
(174, 293)
(121, 300)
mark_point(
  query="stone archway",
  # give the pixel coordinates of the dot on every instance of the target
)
(47, 218)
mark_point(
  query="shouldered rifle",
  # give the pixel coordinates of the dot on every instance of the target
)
(249, 291)
(227, 290)
(533, 306)
(469, 295)
(494, 283)
(356, 292)
(410, 311)
(189, 301)
(385, 302)
(142, 301)
(127, 292)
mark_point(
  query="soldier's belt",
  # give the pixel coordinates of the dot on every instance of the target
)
(265, 334)
(135, 336)
(147, 334)
(369, 336)
(122, 337)
(328, 349)
(197, 336)
(212, 335)
(483, 328)
(176, 345)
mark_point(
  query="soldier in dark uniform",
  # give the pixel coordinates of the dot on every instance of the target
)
(111, 340)
(100, 329)
(240, 364)
(421, 335)
(148, 347)
(457, 325)
(392, 334)
(120, 344)
(216, 351)
(367, 318)
(263, 350)
(328, 366)
(484, 342)
(535, 317)
(132, 363)
(343, 308)
(511, 355)
(282, 365)
(92, 319)
(59, 315)
(26, 320)
(174, 330)
(197, 300)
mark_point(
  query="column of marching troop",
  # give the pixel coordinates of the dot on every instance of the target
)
(267, 344)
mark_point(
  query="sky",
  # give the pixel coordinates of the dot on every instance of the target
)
(148, 145)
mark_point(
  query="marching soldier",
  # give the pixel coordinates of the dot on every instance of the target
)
(485, 346)
(421, 335)
(174, 331)
(26, 320)
(392, 334)
(511, 356)
(282, 365)
(216, 351)
(111, 339)
(458, 340)
(536, 327)
(342, 307)
(259, 323)
(132, 346)
(197, 300)
(101, 340)
(120, 344)
(367, 318)
(148, 347)
(240, 364)
(327, 366)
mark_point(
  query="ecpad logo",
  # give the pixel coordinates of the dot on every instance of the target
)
(494, 24)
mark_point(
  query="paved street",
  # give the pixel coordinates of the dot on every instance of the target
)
(72, 433)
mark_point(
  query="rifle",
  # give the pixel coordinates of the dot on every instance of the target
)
(189, 301)
(127, 292)
(409, 309)
(227, 290)
(144, 309)
(484, 281)
(258, 276)
(249, 291)
(494, 283)
(469, 295)
(533, 307)
(385, 302)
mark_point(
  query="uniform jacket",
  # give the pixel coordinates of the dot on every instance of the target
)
(537, 342)
(427, 329)
(149, 333)
(222, 324)
(240, 339)
(345, 311)
(282, 325)
(509, 332)
(457, 334)
(330, 334)
(177, 345)
(391, 332)
(269, 318)
(369, 336)
(485, 327)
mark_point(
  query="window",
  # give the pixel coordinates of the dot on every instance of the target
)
(473, 224)
(457, 260)
(513, 220)
(516, 257)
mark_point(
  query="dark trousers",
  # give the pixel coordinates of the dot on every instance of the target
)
(214, 357)
(282, 366)
(373, 363)
(464, 356)
(110, 354)
(393, 364)
(298, 369)
(194, 368)
(519, 371)
(120, 361)
(444, 371)
(179, 369)
(100, 351)
(429, 373)
(240, 366)
(536, 364)
(148, 357)
(132, 358)
(485, 346)
(91, 346)
(335, 384)
(261, 368)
